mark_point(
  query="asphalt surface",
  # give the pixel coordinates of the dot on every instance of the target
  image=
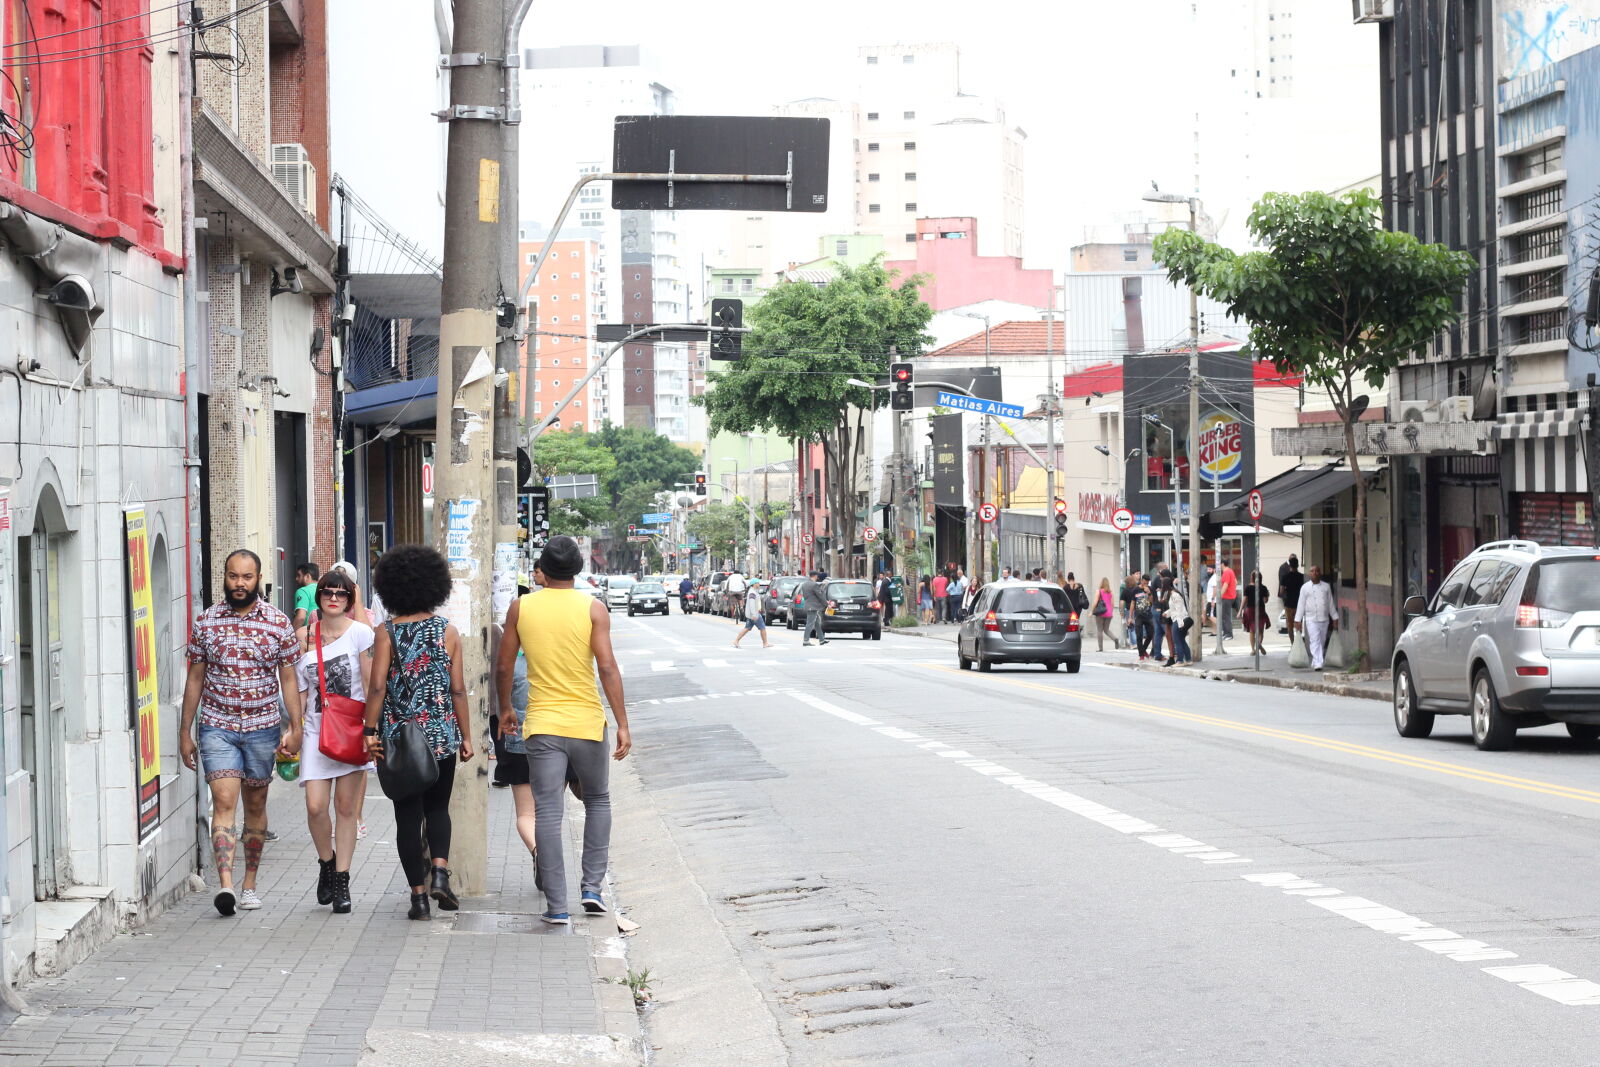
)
(917, 864)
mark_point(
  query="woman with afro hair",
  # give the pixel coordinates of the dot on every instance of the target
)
(417, 678)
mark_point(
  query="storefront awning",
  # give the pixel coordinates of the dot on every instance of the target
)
(1287, 496)
(403, 404)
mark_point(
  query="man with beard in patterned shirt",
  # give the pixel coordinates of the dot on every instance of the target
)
(241, 658)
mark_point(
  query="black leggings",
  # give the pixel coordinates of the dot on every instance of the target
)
(430, 808)
(1145, 629)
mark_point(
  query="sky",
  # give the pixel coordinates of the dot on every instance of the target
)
(1103, 91)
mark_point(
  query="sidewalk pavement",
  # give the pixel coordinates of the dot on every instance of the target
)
(293, 983)
(1234, 666)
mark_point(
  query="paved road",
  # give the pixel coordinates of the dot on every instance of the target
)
(921, 865)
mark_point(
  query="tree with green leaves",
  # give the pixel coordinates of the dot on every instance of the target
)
(806, 341)
(1333, 298)
(572, 452)
(721, 527)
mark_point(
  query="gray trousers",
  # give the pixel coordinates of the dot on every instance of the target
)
(1225, 619)
(813, 623)
(548, 758)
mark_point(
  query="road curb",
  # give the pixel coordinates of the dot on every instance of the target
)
(1306, 685)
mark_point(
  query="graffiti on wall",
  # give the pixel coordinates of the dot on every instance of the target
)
(1532, 34)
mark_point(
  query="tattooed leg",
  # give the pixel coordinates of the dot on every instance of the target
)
(255, 830)
(223, 841)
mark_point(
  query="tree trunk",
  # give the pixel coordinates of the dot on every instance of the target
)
(1360, 540)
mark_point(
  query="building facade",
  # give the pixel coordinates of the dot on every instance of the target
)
(565, 303)
(947, 251)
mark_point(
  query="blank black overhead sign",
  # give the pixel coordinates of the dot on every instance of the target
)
(714, 144)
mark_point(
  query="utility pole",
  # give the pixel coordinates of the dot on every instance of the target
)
(464, 477)
(1195, 591)
(508, 355)
(1057, 550)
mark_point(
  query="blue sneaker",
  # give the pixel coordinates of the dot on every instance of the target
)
(559, 918)
(592, 903)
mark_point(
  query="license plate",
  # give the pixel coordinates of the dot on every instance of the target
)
(1034, 627)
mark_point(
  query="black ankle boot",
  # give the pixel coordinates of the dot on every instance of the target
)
(419, 907)
(441, 890)
(341, 892)
(325, 881)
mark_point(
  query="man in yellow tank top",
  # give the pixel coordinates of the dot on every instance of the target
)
(565, 636)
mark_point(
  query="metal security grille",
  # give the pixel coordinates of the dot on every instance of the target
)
(1537, 204)
(1538, 245)
(1539, 285)
(1544, 326)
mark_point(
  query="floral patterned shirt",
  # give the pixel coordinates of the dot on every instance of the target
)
(418, 686)
(242, 655)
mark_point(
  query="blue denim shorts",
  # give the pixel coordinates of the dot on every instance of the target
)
(231, 754)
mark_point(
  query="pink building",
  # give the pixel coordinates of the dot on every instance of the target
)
(947, 251)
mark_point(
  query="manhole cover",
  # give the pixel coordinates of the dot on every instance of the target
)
(496, 922)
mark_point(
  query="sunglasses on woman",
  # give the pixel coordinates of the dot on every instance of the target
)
(336, 594)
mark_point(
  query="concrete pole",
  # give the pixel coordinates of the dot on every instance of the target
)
(1057, 560)
(749, 506)
(1196, 601)
(508, 362)
(463, 475)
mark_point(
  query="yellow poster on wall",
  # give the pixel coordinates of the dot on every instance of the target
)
(145, 689)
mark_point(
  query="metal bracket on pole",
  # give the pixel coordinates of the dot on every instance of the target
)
(463, 59)
(469, 111)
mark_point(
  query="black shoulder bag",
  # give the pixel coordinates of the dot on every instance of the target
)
(407, 766)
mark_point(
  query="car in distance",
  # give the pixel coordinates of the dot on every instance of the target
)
(780, 597)
(1020, 622)
(617, 587)
(852, 608)
(1511, 639)
(648, 598)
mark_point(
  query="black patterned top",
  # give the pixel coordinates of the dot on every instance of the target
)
(418, 685)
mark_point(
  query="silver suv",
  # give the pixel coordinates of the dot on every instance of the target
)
(1512, 638)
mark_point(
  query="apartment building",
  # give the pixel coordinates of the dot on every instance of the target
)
(565, 302)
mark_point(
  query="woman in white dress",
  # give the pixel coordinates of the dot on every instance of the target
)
(347, 663)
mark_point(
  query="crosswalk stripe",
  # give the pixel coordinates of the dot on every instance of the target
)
(661, 665)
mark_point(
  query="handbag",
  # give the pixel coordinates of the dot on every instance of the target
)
(339, 737)
(407, 766)
(1101, 608)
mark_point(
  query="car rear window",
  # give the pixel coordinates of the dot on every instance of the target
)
(648, 587)
(1032, 598)
(620, 583)
(1567, 584)
(850, 590)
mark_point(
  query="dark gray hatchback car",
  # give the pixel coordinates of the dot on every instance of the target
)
(1021, 622)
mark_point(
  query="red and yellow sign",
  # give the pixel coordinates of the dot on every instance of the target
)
(145, 689)
(1221, 448)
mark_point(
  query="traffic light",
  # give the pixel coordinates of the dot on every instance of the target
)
(1061, 519)
(900, 377)
(699, 483)
(726, 315)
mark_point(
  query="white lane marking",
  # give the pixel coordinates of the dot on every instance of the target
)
(662, 665)
(1546, 981)
(834, 709)
(715, 662)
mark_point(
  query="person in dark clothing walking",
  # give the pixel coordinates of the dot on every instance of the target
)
(1290, 581)
(1143, 616)
(417, 678)
(886, 597)
(814, 598)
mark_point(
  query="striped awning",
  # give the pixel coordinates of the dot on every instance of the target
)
(1538, 422)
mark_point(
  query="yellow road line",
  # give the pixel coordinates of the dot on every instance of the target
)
(1455, 770)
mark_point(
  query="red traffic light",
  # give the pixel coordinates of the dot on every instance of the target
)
(902, 374)
(1061, 506)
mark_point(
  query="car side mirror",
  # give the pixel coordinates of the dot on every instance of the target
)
(1415, 606)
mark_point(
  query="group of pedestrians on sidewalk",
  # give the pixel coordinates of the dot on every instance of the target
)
(357, 697)
(944, 596)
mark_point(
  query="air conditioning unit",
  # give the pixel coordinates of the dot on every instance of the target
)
(1455, 409)
(1419, 411)
(1373, 10)
(292, 170)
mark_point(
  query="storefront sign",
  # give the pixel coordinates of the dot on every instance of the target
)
(145, 719)
(947, 452)
(1097, 507)
(1221, 448)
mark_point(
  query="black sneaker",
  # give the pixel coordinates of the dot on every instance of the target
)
(225, 901)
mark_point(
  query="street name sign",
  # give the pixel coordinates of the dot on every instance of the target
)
(988, 512)
(655, 518)
(1122, 520)
(978, 406)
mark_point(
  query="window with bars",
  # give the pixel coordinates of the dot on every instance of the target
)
(1537, 204)
(1538, 245)
(1539, 285)
(1542, 160)
(1544, 326)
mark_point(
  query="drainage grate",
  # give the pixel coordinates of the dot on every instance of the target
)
(498, 922)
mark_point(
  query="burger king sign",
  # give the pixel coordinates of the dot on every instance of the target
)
(1221, 448)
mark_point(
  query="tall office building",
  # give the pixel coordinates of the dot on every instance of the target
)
(926, 149)
(565, 302)
(570, 97)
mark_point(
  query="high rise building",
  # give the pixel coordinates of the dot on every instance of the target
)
(565, 302)
(926, 149)
(571, 94)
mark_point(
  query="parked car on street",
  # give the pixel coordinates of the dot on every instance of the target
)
(617, 588)
(672, 582)
(648, 598)
(1020, 622)
(852, 608)
(1511, 639)
(590, 584)
(780, 597)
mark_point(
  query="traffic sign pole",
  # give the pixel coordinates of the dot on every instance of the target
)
(1257, 509)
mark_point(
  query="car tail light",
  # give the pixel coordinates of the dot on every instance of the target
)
(1072, 622)
(875, 605)
(990, 622)
(1533, 672)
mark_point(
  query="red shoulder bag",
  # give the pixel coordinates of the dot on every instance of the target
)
(343, 719)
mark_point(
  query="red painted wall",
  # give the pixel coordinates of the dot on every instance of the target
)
(81, 68)
(958, 276)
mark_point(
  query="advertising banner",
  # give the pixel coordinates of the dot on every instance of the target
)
(144, 687)
(1221, 448)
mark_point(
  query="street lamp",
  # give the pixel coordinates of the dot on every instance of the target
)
(1155, 196)
(1177, 503)
(986, 328)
